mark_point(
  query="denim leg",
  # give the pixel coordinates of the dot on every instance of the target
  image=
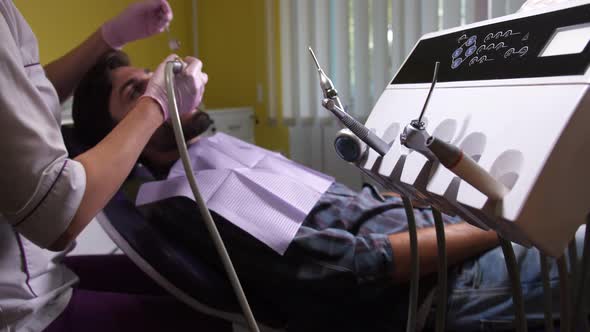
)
(481, 299)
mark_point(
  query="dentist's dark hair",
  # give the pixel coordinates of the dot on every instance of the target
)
(90, 108)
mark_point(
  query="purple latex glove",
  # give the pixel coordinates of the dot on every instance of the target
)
(189, 86)
(140, 20)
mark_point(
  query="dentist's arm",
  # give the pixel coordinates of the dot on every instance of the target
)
(110, 161)
(139, 20)
(65, 72)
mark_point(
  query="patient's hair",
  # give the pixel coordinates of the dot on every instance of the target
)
(90, 109)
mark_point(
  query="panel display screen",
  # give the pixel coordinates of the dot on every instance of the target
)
(502, 50)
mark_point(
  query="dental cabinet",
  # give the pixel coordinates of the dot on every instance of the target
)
(512, 93)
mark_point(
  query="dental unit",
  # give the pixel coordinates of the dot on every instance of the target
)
(503, 142)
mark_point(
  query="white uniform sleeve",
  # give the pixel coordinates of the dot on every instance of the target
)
(40, 188)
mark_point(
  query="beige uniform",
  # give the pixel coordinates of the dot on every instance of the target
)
(40, 188)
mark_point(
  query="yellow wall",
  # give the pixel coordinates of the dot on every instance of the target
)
(231, 44)
(61, 25)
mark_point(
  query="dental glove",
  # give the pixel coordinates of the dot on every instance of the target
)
(189, 86)
(140, 20)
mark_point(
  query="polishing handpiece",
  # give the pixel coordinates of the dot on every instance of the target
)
(332, 103)
(466, 168)
(366, 135)
(177, 66)
(349, 146)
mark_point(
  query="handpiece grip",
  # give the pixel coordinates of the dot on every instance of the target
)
(349, 146)
(466, 168)
(367, 136)
(177, 66)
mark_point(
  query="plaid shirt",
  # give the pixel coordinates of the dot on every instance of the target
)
(339, 265)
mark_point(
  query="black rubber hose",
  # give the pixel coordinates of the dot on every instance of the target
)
(415, 266)
(547, 294)
(441, 290)
(580, 313)
(514, 274)
(564, 291)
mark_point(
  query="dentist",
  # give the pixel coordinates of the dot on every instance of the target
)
(46, 199)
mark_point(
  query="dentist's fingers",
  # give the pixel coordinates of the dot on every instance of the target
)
(205, 78)
(194, 65)
(194, 68)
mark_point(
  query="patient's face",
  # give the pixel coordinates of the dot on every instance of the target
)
(129, 84)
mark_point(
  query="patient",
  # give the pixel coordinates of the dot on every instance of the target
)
(348, 267)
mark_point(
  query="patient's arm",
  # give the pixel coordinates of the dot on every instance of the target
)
(463, 241)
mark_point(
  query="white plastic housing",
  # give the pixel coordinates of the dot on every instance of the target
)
(532, 134)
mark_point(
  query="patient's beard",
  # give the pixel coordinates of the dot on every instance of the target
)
(192, 126)
(161, 151)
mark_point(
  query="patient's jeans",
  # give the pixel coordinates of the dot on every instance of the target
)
(480, 297)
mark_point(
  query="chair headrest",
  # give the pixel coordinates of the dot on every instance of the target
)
(74, 146)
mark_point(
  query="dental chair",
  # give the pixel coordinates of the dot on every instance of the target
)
(179, 271)
(170, 264)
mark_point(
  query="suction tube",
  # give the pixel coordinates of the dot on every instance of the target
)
(520, 321)
(547, 294)
(564, 296)
(441, 290)
(415, 266)
(174, 67)
(581, 287)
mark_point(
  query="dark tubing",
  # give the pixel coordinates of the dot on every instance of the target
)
(573, 274)
(564, 295)
(415, 268)
(547, 294)
(580, 314)
(441, 290)
(171, 67)
(514, 274)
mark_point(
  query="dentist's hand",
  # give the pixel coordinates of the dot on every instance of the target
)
(140, 20)
(189, 86)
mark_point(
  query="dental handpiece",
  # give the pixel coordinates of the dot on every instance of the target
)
(332, 103)
(348, 146)
(367, 136)
(173, 68)
(466, 168)
(177, 66)
(173, 43)
(415, 137)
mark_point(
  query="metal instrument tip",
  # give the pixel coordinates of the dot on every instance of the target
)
(317, 64)
(434, 80)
